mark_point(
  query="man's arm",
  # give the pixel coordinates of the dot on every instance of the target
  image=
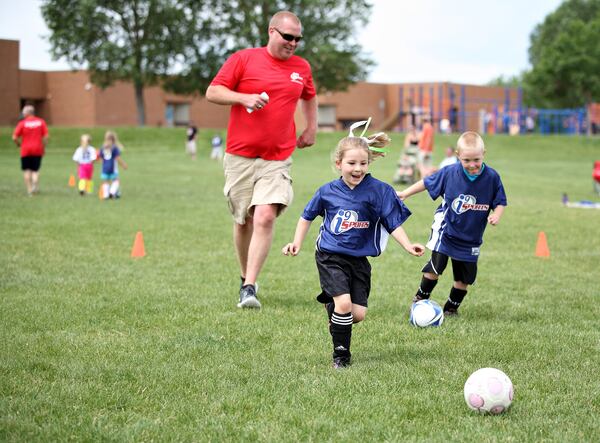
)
(222, 95)
(309, 108)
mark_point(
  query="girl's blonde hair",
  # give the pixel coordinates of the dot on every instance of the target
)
(379, 140)
(112, 136)
(86, 139)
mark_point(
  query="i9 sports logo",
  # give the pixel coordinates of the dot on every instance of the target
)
(464, 203)
(345, 220)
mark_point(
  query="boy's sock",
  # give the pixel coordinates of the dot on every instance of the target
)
(341, 334)
(425, 289)
(81, 185)
(454, 299)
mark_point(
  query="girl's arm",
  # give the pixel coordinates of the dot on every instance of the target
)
(301, 230)
(400, 236)
(122, 162)
(411, 190)
(494, 217)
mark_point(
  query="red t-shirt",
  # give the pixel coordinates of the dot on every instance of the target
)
(268, 133)
(32, 130)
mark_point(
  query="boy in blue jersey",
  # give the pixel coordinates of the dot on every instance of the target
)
(359, 213)
(473, 196)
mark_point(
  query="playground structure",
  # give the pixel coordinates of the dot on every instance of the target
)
(485, 109)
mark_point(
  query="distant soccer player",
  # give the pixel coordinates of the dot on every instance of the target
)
(85, 156)
(358, 213)
(111, 155)
(473, 196)
(31, 135)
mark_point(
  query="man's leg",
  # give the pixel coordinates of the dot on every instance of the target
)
(35, 181)
(260, 243)
(242, 234)
(27, 180)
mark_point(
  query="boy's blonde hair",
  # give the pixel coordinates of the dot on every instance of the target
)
(470, 140)
(379, 140)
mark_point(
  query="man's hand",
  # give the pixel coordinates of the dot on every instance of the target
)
(307, 138)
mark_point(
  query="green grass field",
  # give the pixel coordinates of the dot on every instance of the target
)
(97, 346)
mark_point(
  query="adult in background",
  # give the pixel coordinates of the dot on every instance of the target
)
(426, 148)
(263, 86)
(31, 135)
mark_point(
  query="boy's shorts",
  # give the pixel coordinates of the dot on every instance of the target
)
(113, 176)
(190, 146)
(343, 274)
(31, 163)
(464, 271)
(254, 181)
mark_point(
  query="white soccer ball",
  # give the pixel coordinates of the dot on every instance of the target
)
(489, 390)
(426, 313)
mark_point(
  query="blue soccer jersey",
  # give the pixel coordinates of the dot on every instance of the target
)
(109, 160)
(461, 219)
(357, 221)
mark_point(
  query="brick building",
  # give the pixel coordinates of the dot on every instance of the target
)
(68, 98)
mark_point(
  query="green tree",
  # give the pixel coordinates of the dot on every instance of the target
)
(134, 40)
(329, 44)
(181, 44)
(565, 57)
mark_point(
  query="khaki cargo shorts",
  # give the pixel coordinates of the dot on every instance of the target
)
(254, 181)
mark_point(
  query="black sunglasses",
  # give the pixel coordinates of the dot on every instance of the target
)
(289, 37)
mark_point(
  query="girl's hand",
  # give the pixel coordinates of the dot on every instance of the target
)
(416, 249)
(290, 249)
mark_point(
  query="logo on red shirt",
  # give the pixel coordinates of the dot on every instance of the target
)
(296, 78)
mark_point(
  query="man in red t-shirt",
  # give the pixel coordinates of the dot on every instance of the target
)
(263, 87)
(31, 135)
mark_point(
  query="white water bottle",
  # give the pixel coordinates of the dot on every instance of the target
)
(264, 96)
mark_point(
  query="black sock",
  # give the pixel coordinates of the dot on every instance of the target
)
(426, 287)
(455, 299)
(341, 334)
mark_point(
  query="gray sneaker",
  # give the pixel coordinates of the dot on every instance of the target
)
(248, 298)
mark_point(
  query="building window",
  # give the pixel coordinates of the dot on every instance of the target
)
(326, 117)
(177, 114)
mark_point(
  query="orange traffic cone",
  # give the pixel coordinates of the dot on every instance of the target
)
(138, 250)
(541, 249)
(72, 181)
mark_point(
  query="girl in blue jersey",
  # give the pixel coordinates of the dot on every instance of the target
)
(359, 213)
(473, 196)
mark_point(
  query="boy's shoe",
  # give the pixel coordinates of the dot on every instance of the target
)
(450, 313)
(417, 298)
(341, 362)
(248, 298)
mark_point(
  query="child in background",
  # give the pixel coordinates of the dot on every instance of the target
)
(190, 144)
(359, 213)
(473, 196)
(84, 156)
(217, 147)
(450, 158)
(111, 155)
